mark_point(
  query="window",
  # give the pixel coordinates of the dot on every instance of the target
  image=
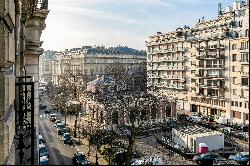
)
(234, 58)
(234, 46)
(244, 81)
(233, 68)
(246, 33)
(234, 114)
(242, 93)
(240, 104)
(236, 103)
(234, 80)
(242, 45)
(234, 91)
(232, 103)
(247, 116)
(193, 81)
(192, 71)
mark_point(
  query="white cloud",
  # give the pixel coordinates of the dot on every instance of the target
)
(94, 13)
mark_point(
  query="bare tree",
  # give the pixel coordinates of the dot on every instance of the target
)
(127, 96)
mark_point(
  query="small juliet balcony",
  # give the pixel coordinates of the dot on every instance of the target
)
(244, 61)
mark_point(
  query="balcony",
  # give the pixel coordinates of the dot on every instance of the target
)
(219, 66)
(244, 62)
(183, 58)
(244, 73)
(152, 68)
(154, 76)
(172, 68)
(200, 57)
(173, 77)
(214, 56)
(217, 76)
(243, 50)
(180, 49)
(211, 86)
(211, 47)
(199, 75)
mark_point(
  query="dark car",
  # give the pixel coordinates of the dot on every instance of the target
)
(80, 159)
(43, 151)
(207, 157)
(67, 138)
(53, 117)
(47, 111)
(61, 131)
(41, 106)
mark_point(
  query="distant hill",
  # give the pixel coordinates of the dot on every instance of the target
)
(115, 50)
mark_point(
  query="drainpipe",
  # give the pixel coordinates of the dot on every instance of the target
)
(230, 84)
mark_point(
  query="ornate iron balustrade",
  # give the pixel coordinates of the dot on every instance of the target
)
(25, 129)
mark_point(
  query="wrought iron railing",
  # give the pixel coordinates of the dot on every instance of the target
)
(25, 129)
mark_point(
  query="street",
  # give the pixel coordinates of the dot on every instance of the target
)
(59, 154)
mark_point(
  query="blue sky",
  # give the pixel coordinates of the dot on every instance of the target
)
(74, 23)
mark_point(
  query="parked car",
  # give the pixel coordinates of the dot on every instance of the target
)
(47, 111)
(42, 106)
(60, 127)
(53, 117)
(43, 151)
(240, 157)
(44, 160)
(67, 138)
(58, 121)
(41, 140)
(80, 159)
(206, 157)
(61, 131)
(224, 162)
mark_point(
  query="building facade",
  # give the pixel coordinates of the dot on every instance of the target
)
(89, 61)
(21, 25)
(215, 68)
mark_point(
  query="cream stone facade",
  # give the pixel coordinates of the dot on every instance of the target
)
(167, 65)
(88, 62)
(21, 25)
(216, 65)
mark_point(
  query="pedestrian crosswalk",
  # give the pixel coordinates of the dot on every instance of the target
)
(44, 116)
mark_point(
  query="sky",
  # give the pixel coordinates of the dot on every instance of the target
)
(76, 23)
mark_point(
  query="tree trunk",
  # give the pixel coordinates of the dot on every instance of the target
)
(75, 127)
(65, 118)
(131, 144)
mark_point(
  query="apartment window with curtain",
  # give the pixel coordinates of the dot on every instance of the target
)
(234, 91)
(234, 46)
(234, 80)
(234, 58)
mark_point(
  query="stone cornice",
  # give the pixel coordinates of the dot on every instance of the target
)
(33, 47)
(37, 21)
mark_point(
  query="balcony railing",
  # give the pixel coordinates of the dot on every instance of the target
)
(173, 77)
(172, 68)
(244, 61)
(219, 66)
(183, 58)
(154, 76)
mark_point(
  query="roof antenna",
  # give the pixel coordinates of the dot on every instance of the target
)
(219, 8)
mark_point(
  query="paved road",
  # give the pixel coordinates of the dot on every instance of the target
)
(59, 154)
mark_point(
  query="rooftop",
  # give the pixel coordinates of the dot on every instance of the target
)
(193, 130)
